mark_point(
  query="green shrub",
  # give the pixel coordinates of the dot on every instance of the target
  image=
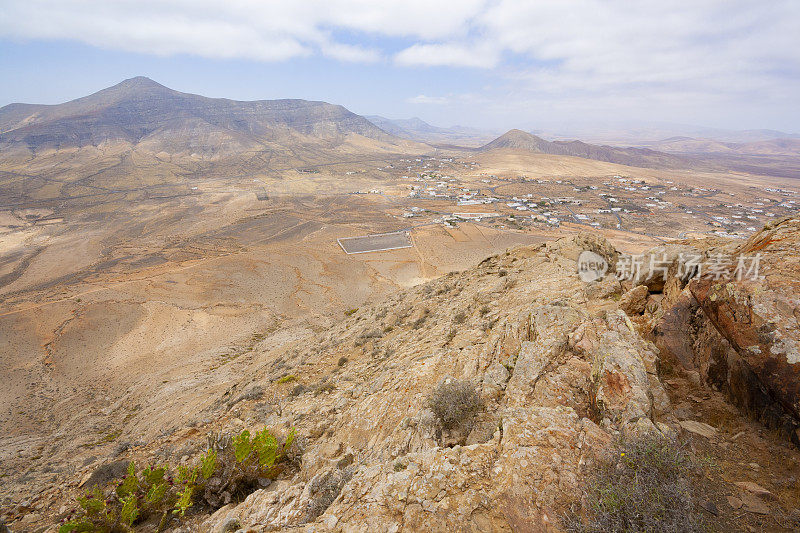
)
(231, 467)
(287, 379)
(644, 485)
(455, 403)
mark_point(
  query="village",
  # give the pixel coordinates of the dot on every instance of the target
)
(448, 191)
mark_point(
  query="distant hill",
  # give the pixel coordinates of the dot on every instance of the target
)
(419, 130)
(649, 134)
(141, 111)
(404, 127)
(771, 147)
(640, 157)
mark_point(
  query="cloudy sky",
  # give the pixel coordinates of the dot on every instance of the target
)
(497, 64)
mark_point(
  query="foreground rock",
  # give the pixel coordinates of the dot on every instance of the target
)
(739, 330)
(560, 376)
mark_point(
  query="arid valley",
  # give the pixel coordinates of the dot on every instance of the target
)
(157, 275)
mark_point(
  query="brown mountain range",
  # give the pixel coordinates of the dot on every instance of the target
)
(141, 111)
(640, 157)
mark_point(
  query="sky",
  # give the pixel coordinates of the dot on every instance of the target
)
(492, 64)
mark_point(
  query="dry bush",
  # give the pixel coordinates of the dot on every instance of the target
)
(324, 489)
(455, 403)
(645, 485)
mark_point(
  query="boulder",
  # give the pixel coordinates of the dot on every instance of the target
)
(633, 302)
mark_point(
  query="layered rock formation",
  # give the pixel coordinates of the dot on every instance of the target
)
(739, 329)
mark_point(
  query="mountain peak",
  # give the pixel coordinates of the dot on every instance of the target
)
(139, 81)
(522, 140)
(135, 85)
(518, 139)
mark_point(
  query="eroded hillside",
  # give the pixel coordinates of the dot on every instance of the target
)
(564, 372)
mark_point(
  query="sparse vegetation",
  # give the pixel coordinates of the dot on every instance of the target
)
(455, 403)
(459, 317)
(351, 312)
(232, 466)
(298, 390)
(366, 336)
(644, 485)
(324, 386)
(287, 379)
(325, 488)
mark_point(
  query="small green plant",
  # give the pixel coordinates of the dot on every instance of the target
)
(351, 312)
(287, 379)
(232, 465)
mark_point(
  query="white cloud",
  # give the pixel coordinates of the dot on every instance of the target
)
(350, 53)
(544, 52)
(423, 99)
(264, 30)
(449, 54)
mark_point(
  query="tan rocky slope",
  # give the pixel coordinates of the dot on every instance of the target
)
(562, 370)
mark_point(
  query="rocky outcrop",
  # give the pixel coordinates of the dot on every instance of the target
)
(739, 330)
(561, 375)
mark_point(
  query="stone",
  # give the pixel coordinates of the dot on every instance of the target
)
(699, 428)
(229, 525)
(659, 265)
(633, 302)
(754, 504)
(740, 332)
(734, 502)
(755, 489)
